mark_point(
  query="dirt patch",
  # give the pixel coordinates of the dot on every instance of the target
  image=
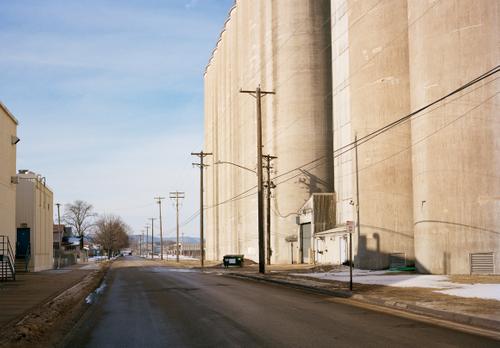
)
(48, 323)
(475, 279)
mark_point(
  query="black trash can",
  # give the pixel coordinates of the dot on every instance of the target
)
(233, 260)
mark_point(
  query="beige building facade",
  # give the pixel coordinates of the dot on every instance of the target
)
(34, 221)
(423, 191)
(8, 141)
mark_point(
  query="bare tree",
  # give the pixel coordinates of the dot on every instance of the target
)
(80, 216)
(111, 233)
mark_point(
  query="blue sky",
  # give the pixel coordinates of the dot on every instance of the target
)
(109, 95)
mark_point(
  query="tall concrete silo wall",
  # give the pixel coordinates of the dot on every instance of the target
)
(456, 145)
(370, 90)
(302, 132)
(283, 46)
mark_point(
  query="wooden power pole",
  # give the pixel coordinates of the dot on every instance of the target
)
(269, 186)
(201, 155)
(257, 94)
(158, 200)
(175, 196)
(152, 237)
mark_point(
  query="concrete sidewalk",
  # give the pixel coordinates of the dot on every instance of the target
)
(481, 313)
(33, 289)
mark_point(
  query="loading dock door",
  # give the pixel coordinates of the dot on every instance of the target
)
(305, 242)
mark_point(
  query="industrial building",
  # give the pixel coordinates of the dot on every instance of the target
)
(422, 190)
(8, 141)
(34, 213)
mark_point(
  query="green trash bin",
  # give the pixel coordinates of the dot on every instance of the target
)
(233, 260)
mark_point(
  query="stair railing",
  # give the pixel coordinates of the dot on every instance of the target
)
(7, 256)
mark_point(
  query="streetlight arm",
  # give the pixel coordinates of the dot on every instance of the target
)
(236, 165)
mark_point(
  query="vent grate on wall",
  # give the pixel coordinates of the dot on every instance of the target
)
(397, 260)
(482, 263)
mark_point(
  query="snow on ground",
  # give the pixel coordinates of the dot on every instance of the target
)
(487, 291)
(439, 282)
(170, 257)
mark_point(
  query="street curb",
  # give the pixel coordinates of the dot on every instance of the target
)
(460, 318)
(336, 293)
(482, 323)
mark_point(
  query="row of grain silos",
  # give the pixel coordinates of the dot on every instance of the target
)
(425, 191)
(429, 188)
(284, 47)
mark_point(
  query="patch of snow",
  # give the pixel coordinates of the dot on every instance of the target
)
(166, 269)
(93, 295)
(486, 291)
(441, 283)
(381, 278)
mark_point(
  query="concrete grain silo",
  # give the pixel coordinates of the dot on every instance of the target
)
(456, 144)
(371, 90)
(301, 135)
(283, 46)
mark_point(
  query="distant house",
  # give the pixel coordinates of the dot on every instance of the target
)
(59, 232)
(34, 213)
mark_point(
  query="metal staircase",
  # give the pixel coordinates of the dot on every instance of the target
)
(7, 260)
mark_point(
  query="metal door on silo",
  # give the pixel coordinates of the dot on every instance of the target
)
(23, 241)
(305, 242)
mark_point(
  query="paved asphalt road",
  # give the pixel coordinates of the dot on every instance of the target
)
(149, 306)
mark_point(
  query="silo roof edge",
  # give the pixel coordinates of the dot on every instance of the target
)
(220, 38)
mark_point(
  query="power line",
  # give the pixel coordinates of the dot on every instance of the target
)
(385, 128)
(348, 147)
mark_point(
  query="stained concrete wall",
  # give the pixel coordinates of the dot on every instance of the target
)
(456, 145)
(427, 188)
(379, 96)
(8, 129)
(283, 46)
(34, 210)
(371, 90)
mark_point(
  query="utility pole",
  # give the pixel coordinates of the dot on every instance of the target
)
(269, 186)
(175, 196)
(60, 235)
(201, 155)
(147, 236)
(141, 239)
(257, 94)
(158, 199)
(358, 223)
(152, 237)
